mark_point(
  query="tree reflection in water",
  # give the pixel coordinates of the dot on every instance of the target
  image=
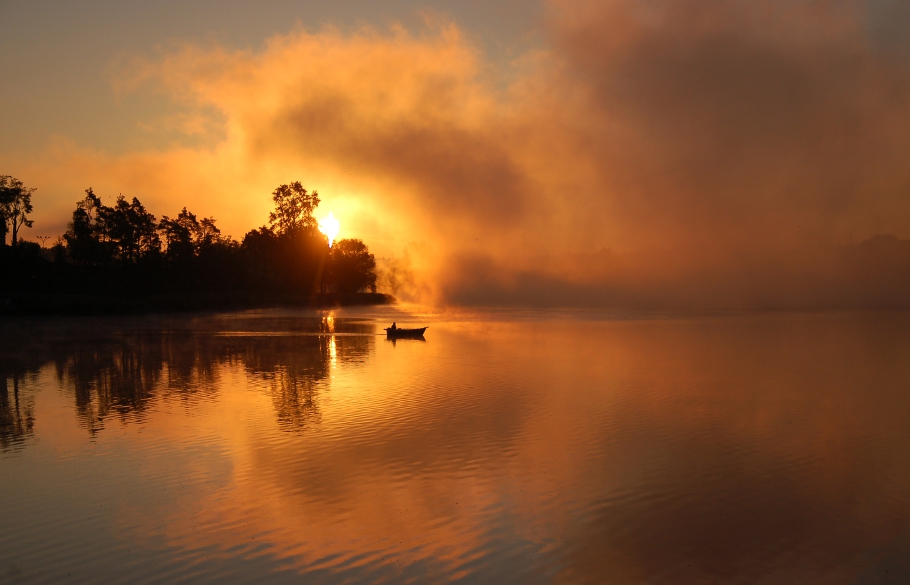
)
(18, 368)
(121, 367)
(293, 366)
(118, 376)
(16, 412)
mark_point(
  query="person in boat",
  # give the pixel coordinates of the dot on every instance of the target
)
(394, 327)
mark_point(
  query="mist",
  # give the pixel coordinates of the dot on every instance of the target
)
(664, 154)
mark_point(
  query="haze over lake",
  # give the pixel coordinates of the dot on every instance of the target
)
(508, 446)
(662, 248)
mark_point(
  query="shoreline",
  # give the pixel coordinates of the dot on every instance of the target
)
(85, 304)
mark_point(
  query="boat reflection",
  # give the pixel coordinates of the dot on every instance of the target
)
(406, 339)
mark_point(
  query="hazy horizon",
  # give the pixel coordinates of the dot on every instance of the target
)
(620, 153)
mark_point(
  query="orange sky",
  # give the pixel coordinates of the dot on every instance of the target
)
(633, 147)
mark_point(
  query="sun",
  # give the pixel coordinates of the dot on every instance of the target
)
(329, 226)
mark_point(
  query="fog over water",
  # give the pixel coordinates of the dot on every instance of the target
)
(507, 446)
(662, 248)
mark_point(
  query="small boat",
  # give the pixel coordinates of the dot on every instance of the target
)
(399, 332)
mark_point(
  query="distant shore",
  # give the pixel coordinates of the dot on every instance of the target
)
(74, 304)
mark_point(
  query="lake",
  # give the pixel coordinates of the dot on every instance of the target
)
(506, 447)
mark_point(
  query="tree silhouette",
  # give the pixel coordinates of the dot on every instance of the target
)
(294, 208)
(207, 234)
(6, 196)
(178, 234)
(15, 206)
(115, 254)
(85, 236)
(132, 230)
(351, 267)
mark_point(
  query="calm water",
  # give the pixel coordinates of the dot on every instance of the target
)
(506, 448)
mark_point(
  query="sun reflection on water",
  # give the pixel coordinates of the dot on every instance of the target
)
(498, 448)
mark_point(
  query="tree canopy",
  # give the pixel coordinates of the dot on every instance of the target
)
(123, 248)
(351, 267)
(15, 207)
(294, 208)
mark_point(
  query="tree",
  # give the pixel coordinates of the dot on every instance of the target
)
(207, 234)
(294, 208)
(351, 267)
(84, 234)
(5, 199)
(185, 236)
(179, 233)
(131, 229)
(15, 206)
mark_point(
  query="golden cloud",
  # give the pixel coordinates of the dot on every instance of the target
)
(691, 143)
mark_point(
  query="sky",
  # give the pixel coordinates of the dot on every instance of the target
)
(628, 153)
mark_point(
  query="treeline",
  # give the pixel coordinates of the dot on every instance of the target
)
(123, 249)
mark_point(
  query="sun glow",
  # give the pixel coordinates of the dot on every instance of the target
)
(329, 226)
